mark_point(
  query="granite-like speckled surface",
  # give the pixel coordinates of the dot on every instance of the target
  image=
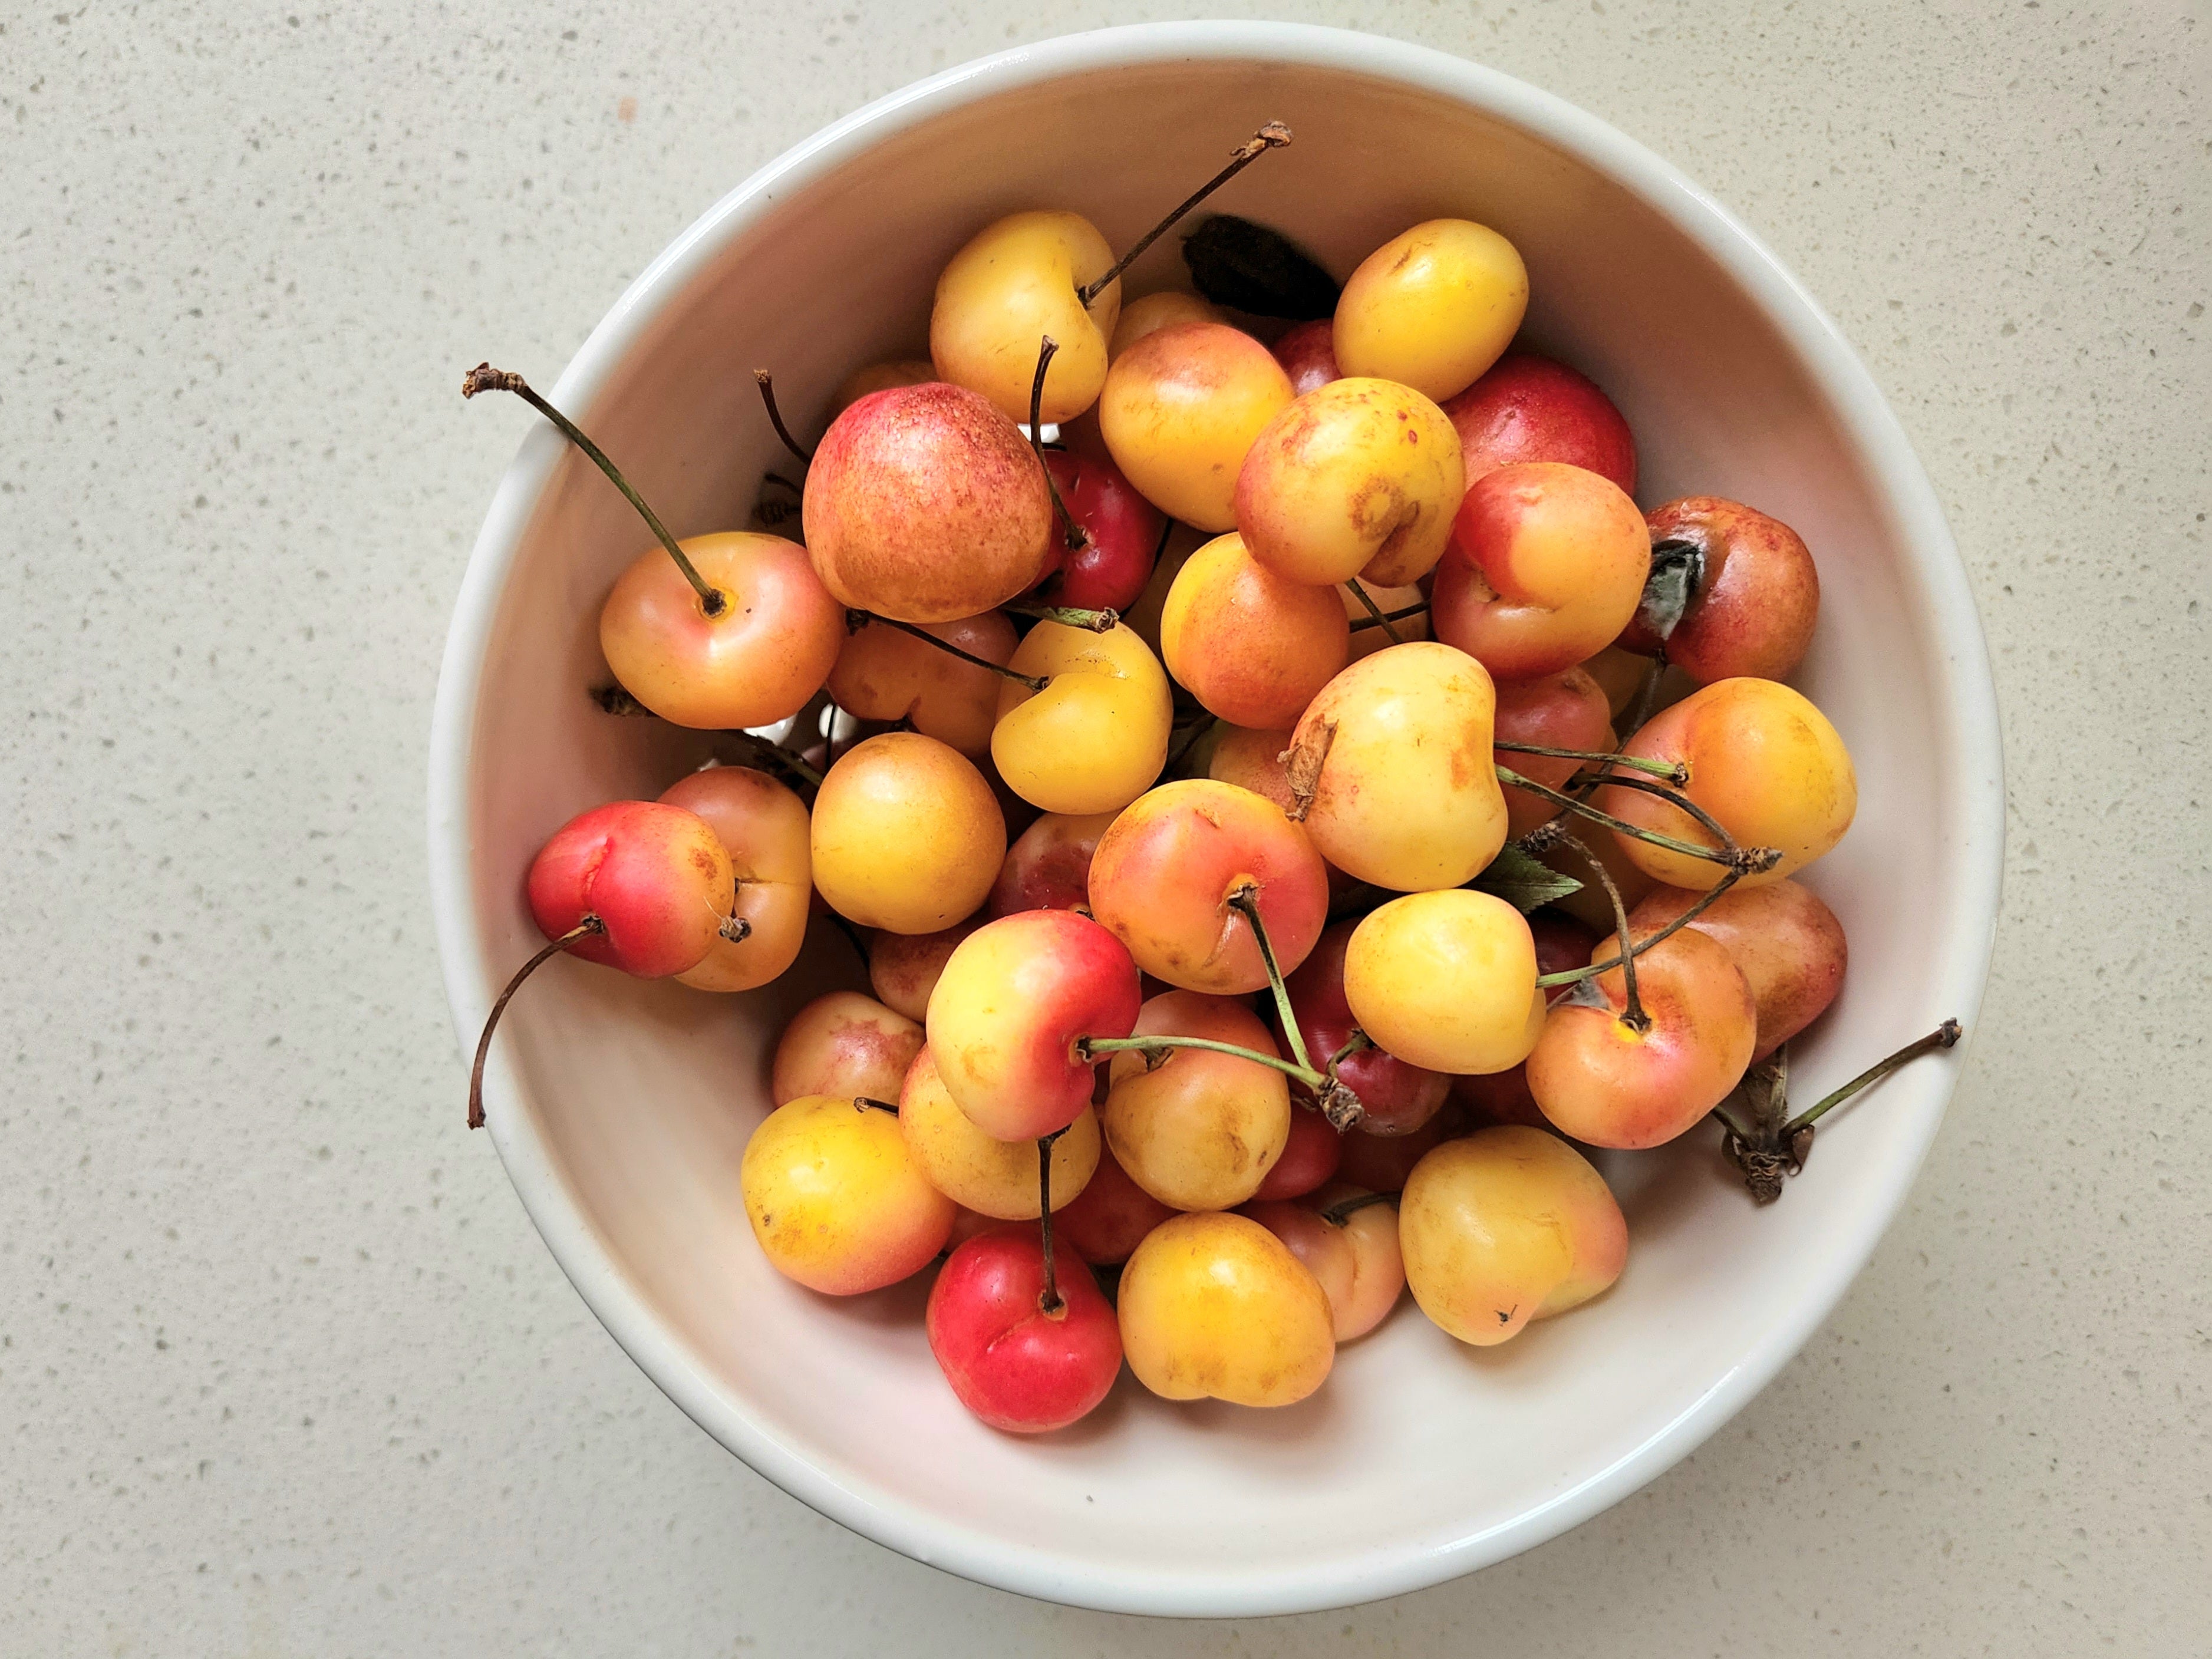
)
(283, 1369)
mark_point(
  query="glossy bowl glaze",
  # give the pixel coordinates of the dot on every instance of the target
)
(621, 1108)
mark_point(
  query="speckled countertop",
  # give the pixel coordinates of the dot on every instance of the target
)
(284, 1368)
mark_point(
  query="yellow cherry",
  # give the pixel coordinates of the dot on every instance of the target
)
(1096, 736)
(1011, 286)
(1214, 1306)
(993, 1178)
(1446, 980)
(1180, 411)
(907, 834)
(836, 1201)
(1433, 308)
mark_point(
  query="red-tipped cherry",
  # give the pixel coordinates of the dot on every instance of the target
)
(1528, 408)
(1117, 533)
(1015, 1365)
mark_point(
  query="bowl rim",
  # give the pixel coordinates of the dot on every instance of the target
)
(1967, 696)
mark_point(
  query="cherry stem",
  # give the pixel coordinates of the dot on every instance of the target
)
(860, 619)
(1339, 1212)
(1352, 1044)
(1383, 619)
(484, 378)
(1245, 901)
(1156, 1048)
(1575, 976)
(766, 382)
(1071, 532)
(1632, 1011)
(869, 1103)
(1374, 611)
(1753, 859)
(588, 925)
(1068, 616)
(1943, 1037)
(798, 765)
(1048, 1303)
(1672, 771)
(1675, 798)
(1273, 136)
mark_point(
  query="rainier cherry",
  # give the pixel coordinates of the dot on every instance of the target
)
(1393, 761)
(925, 504)
(1311, 1152)
(907, 834)
(997, 1178)
(1155, 311)
(763, 827)
(1446, 980)
(1433, 308)
(1357, 478)
(1016, 282)
(1216, 1306)
(1048, 865)
(1181, 407)
(886, 674)
(1253, 647)
(1507, 1225)
(1788, 944)
(845, 1045)
(1399, 1097)
(836, 1201)
(1528, 408)
(1194, 872)
(1349, 1242)
(903, 968)
(1200, 1130)
(1565, 710)
(1095, 738)
(1635, 1074)
(634, 884)
(1752, 594)
(1026, 1349)
(1547, 566)
(1014, 999)
(1762, 761)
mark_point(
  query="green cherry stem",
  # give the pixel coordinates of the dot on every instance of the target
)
(1344, 1208)
(856, 620)
(484, 378)
(1245, 901)
(1374, 611)
(1943, 1037)
(1068, 616)
(1673, 772)
(1156, 1048)
(1273, 136)
(766, 382)
(1712, 825)
(583, 929)
(1573, 976)
(1730, 856)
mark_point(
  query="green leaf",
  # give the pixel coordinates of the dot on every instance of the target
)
(1249, 267)
(1522, 881)
(1678, 571)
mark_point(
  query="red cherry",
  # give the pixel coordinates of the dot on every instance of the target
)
(1308, 354)
(1121, 534)
(1528, 408)
(1013, 1364)
(1109, 1217)
(1399, 1097)
(1310, 1155)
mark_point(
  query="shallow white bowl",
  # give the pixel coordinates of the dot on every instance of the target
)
(621, 1108)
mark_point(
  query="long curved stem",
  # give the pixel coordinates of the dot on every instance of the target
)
(1091, 1048)
(1943, 1037)
(1246, 902)
(1672, 771)
(484, 378)
(1273, 136)
(1035, 682)
(1573, 976)
(1674, 797)
(1071, 533)
(588, 927)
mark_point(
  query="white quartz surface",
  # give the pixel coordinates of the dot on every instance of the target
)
(284, 1368)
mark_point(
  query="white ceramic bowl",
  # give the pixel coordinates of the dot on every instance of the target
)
(621, 1108)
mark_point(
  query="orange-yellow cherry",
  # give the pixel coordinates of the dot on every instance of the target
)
(764, 828)
(907, 834)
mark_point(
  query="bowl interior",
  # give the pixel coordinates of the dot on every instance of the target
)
(623, 1108)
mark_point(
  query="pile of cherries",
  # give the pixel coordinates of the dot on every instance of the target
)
(1338, 922)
